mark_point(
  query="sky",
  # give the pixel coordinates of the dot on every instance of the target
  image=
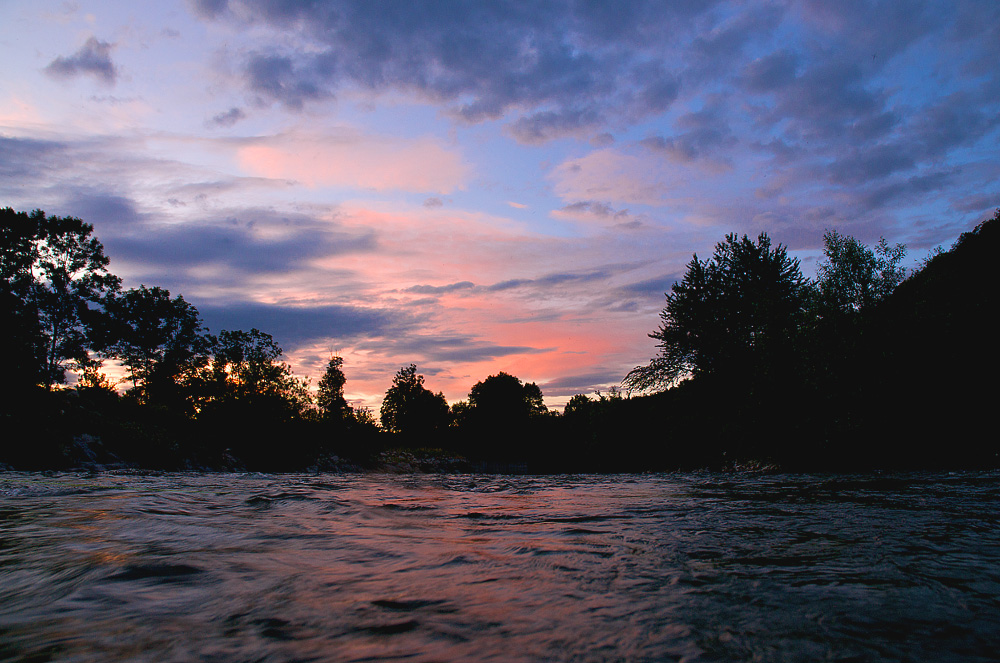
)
(487, 186)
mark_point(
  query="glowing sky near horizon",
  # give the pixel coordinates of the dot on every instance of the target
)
(477, 187)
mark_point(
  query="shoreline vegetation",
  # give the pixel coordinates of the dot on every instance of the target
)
(757, 369)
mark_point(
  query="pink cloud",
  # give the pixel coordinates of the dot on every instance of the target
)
(477, 294)
(487, 280)
(368, 162)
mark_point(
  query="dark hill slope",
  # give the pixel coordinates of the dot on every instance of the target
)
(935, 339)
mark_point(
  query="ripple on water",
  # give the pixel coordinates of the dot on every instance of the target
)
(191, 567)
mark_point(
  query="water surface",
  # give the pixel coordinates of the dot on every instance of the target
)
(676, 567)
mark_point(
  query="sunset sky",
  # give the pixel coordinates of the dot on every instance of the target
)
(488, 186)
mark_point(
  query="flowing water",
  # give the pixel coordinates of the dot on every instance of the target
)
(689, 567)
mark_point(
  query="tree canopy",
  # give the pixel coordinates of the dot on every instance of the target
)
(852, 277)
(330, 393)
(503, 400)
(53, 270)
(730, 312)
(246, 370)
(411, 408)
(160, 340)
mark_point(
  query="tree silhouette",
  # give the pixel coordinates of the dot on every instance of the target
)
(71, 272)
(20, 329)
(160, 340)
(852, 277)
(246, 370)
(330, 394)
(53, 270)
(734, 312)
(410, 408)
(503, 400)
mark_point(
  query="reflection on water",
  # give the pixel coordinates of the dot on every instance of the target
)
(690, 567)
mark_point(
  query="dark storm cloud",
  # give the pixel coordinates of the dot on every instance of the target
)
(292, 326)
(93, 58)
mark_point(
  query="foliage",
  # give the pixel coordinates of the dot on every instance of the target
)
(576, 405)
(53, 270)
(246, 369)
(534, 400)
(851, 352)
(20, 331)
(19, 234)
(502, 400)
(330, 394)
(364, 418)
(581, 403)
(733, 312)
(410, 408)
(852, 277)
(461, 413)
(160, 340)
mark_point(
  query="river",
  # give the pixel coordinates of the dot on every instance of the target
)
(666, 567)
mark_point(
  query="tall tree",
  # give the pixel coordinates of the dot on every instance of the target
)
(160, 340)
(54, 269)
(330, 393)
(410, 408)
(734, 312)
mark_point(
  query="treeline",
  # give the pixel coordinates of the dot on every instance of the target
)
(863, 367)
(194, 399)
